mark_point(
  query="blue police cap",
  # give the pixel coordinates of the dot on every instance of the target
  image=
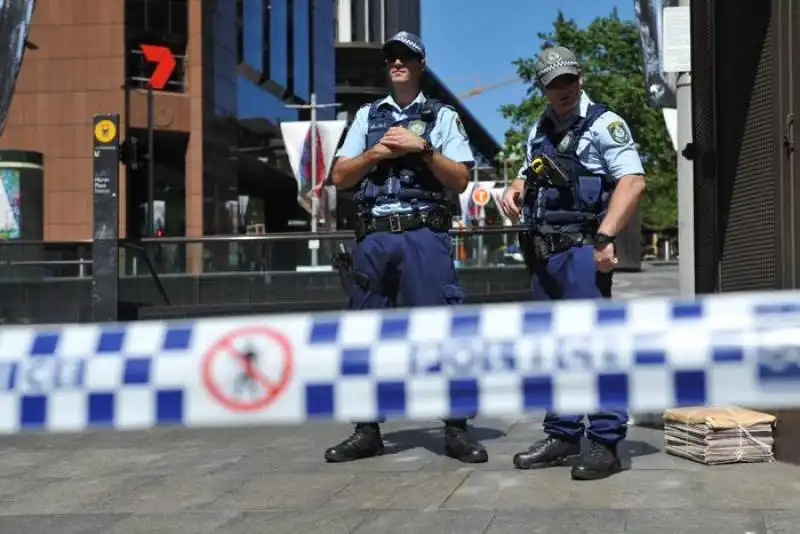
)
(408, 40)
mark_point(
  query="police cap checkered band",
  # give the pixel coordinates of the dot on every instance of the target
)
(554, 62)
(408, 40)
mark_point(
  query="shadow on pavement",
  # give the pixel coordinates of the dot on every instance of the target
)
(630, 449)
(432, 438)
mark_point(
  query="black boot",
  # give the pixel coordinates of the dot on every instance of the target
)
(598, 461)
(549, 452)
(365, 442)
(458, 444)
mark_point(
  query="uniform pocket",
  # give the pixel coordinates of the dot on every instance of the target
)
(453, 295)
(590, 191)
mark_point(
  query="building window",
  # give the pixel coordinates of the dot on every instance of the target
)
(266, 14)
(312, 64)
(335, 19)
(239, 31)
(358, 18)
(376, 21)
(290, 47)
(157, 18)
(161, 23)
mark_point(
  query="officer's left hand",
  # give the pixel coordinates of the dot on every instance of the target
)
(605, 258)
(403, 140)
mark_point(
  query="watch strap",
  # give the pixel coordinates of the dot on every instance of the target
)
(601, 239)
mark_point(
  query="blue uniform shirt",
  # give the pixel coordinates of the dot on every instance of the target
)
(607, 147)
(447, 136)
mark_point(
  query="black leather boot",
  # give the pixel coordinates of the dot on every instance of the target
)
(365, 442)
(549, 452)
(596, 462)
(458, 444)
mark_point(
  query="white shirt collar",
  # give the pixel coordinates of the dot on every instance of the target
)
(420, 99)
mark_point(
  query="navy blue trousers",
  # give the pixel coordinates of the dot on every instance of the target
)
(415, 268)
(575, 273)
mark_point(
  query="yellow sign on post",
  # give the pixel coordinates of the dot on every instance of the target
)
(105, 131)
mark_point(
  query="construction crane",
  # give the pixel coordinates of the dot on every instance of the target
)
(483, 88)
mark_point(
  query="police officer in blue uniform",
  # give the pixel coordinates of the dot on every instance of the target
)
(581, 182)
(408, 157)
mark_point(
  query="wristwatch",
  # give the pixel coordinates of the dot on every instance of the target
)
(427, 150)
(601, 240)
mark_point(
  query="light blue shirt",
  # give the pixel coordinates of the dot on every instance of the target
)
(447, 136)
(607, 147)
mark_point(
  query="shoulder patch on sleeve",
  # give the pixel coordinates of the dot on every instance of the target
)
(619, 132)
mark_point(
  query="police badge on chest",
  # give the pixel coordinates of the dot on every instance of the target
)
(417, 127)
(566, 141)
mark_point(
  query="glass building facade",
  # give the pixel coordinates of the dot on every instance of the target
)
(258, 56)
(323, 53)
(374, 21)
(287, 47)
(164, 23)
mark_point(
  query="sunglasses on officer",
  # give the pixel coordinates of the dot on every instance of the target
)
(562, 82)
(402, 53)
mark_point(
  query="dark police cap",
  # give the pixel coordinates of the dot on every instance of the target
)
(554, 62)
(408, 40)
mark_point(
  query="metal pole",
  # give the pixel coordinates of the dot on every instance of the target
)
(686, 265)
(313, 244)
(505, 185)
(151, 231)
(479, 255)
(314, 198)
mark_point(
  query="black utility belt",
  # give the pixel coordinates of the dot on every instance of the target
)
(542, 246)
(438, 220)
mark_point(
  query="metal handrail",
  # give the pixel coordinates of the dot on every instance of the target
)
(37, 263)
(137, 249)
(30, 243)
(283, 236)
(322, 236)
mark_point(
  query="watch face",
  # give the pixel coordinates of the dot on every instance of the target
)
(601, 240)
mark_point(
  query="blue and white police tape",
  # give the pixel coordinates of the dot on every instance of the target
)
(497, 360)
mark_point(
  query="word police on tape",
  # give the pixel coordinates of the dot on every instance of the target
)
(249, 368)
(418, 364)
(36, 376)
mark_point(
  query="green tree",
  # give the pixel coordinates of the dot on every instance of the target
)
(610, 52)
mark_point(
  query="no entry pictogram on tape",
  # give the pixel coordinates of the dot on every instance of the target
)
(228, 350)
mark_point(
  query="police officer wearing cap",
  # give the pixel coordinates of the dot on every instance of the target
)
(408, 157)
(581, 182)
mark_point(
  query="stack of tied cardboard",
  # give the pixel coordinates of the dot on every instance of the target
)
(719, 434)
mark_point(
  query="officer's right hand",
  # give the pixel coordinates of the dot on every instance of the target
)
(384, 152)
(511, 201)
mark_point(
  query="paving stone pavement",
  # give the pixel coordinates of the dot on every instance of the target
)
(273, 481)
(655, 279)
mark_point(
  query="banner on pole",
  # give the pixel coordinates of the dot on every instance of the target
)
(661, 86)
(297, 140)
(469, 209)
